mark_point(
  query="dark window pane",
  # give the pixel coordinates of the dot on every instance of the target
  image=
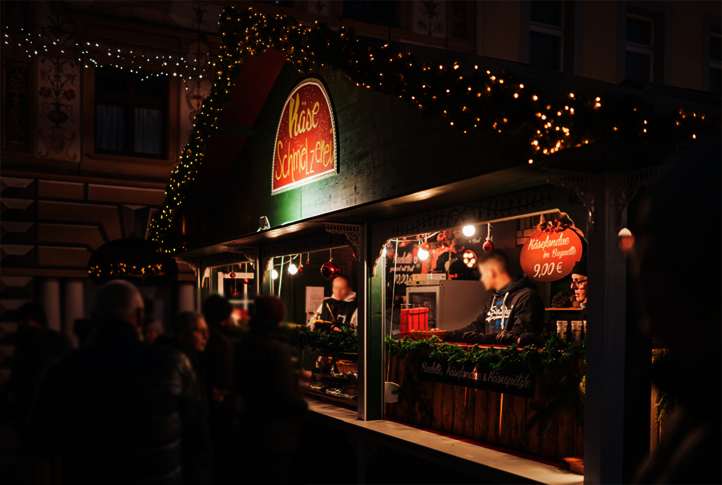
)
(379, 12)
(544, 50)
(715, 80)
(109, 128)
(546, 12)
(639, 31)
(148, 131)
(637, 67)
(154, 87)
(280, 3)
(715, 47)
(108, 81)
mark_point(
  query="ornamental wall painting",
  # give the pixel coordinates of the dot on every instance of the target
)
(319, 7)
(58, 109)
(429, 18)
(17, 104)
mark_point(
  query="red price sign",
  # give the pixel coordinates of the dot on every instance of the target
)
(550, 256)
(305, 148)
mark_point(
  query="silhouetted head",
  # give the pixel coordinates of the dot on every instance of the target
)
(341, 287)
(30, 315)
(494, 268)
(191, 327)
(151, 329)
(270, 311)
(119, 301)
(217, 311)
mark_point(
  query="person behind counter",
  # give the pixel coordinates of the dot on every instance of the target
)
(514, 308)
(579, 285)
(342, 307)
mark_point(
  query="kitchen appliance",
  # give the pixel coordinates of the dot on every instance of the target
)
(452, 304)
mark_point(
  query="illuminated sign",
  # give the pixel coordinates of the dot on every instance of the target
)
(305, 148)
(550, 256)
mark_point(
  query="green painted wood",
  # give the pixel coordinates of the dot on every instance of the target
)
(375, 346)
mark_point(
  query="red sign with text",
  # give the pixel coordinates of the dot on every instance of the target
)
(550, 256)
(305, 148)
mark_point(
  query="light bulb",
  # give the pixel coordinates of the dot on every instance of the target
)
(423, 254)
(469, 230)
(292, 269)
(274, 274)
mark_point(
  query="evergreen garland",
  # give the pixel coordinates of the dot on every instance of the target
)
(470, 99)
(328, 343)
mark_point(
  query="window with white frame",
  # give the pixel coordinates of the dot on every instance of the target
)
(639, 61)
(715, 62)
(546, 36)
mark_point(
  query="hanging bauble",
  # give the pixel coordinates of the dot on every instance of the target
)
(488, 246)
(232, 275)
(245, 280)
(330, 270)
(300, 269)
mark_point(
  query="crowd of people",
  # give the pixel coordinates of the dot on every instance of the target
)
(137, 404)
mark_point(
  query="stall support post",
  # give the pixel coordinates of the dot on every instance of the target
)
(604, 451)
(370, 333)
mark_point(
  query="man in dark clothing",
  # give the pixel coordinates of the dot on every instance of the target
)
(37, 347)
(120, 411)
(273, 409)
(342, 307)
(217, 361)
(514, 307)
(690, 372)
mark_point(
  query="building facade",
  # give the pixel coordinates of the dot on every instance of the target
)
(88, 139)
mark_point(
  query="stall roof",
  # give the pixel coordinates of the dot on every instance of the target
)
(264, 80)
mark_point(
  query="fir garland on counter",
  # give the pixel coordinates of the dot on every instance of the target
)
(470, 99)
(551, 359)
(328, 343)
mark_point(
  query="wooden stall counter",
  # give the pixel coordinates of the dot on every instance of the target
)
(500, 396)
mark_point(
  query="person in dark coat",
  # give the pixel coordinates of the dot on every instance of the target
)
(36, 348)
(514, 308)
(217, 361)
(120, 411)
(691, 443)
(267, 383)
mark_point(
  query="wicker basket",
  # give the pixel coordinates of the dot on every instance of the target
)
(427, 334)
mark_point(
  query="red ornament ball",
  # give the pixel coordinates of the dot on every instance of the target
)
(245, 280)
(330, 270)
(232, 275)
(488, 246)
(300, 269)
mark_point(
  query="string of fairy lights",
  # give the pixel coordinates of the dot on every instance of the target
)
(92, 51)
(493, 106)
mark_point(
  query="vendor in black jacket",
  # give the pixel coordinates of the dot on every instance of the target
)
(514, 307)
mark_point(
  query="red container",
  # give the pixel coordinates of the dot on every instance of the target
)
(413, 319)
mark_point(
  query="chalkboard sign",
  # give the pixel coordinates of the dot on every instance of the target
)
(466, 375)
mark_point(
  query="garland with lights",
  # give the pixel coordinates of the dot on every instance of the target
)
(470, 99)
(94, 51)
(119, 270)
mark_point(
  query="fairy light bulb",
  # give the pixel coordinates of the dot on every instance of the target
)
(423, 254)
(469, 230)
(292, 269)
(274, 274)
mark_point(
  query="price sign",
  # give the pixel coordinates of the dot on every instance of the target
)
(305, 148)
(550, 256)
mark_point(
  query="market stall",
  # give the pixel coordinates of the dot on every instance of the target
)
(344, 145)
